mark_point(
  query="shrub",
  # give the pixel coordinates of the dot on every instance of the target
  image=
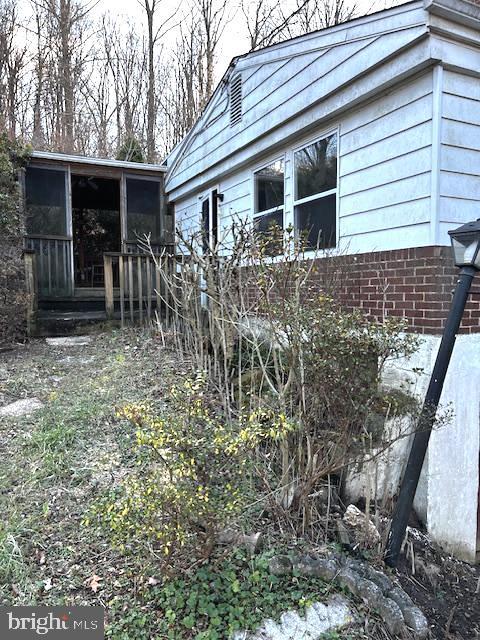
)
(12, 288)
(194, 475)
(274, 336)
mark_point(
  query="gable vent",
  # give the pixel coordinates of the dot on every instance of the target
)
(235, 99)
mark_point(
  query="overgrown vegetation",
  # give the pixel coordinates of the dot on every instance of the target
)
(270, 340)
(12, 227)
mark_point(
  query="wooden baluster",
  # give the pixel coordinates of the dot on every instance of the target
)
(140, 290)
(108, 276)
(148, 266)
(158, 284)
(121, 272)
(131, 288)
(31, 287)
(66, 279)
(49, 262)
(57, 279)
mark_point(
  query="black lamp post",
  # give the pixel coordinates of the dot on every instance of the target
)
(466, 251)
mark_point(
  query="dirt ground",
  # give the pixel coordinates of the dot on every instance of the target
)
(447, 590)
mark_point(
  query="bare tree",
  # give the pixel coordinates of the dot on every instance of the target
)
(213, 19)
(64, 24)
(320, 14)
(267, 22)
(12, 66)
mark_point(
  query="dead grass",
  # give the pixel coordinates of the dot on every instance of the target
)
(55, 462)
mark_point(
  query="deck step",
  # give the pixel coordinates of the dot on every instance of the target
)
(66, 323)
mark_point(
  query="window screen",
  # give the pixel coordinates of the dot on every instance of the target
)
(45, 195)
(143, 209)
(316, 168)
(269, 187)
(315, 205)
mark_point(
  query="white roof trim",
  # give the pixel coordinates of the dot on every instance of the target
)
(99, 162)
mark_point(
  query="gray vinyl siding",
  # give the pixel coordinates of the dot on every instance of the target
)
(459, 151)
(284, 81)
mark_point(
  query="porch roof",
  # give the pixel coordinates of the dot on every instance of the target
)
(97, 162)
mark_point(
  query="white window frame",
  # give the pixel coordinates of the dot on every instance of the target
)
(264, 165)
(208, 195)
(316, 196)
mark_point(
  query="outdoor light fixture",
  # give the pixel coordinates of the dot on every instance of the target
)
(466, 251)
(466, 245)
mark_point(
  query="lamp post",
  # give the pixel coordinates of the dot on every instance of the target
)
(466, 250)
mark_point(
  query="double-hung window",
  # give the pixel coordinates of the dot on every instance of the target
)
(315, 203)
(269, 194)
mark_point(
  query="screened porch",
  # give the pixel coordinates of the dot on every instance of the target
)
(79, 209)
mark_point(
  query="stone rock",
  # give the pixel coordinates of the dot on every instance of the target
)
(377, 577)
(350, 580)
(369, 592)
(399, 596)
(21, 408)
(70, 341)
(280, 565)
(365, 529)
(343, 533)
(380, 579)
(294, 623)
(322, 568)
(417, 622)
(319, 618)
(391, 615)
(72, 360)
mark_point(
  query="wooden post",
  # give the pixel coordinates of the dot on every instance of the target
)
(158, 286)
(121, 271)
(149, 287)
(131, 288)
(140, 288)
(108, 271)
(31, 287)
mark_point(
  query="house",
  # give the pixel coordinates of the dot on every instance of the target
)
(366, 136)
(78, 210)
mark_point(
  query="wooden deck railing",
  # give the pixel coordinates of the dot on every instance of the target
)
(54, 269)
(142, 290)
(31, 287)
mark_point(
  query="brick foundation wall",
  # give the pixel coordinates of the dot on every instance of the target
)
(415, 284)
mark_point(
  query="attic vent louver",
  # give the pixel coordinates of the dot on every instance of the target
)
(235, 99)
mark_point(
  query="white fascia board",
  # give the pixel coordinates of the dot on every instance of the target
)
(461, 11)
(98, 162)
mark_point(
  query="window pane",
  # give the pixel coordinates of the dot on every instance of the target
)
(270, 228)
(143, 209)
(316, 168)
(269, 187)
(316, 220)
(46, 202)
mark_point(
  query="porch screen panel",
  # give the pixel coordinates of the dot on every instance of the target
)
(47, 229)
(143, 210)
(46, 202)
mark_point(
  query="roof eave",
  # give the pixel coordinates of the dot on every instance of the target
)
(98, 162)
